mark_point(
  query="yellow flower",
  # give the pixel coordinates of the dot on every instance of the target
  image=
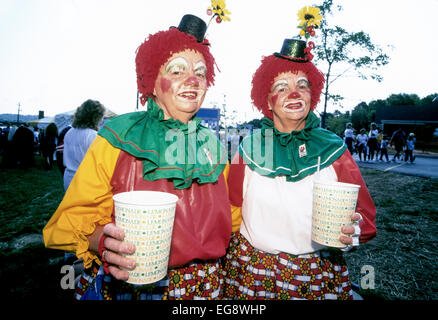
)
(284, 295)
(219, 10)
(177, 278)
(309, 16)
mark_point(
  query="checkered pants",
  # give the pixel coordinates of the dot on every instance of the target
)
(254, 274)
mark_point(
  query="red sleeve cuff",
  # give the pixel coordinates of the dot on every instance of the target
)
(101, 249)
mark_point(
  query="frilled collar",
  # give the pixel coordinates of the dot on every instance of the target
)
(170, 149)
(295, 154)
(156, 113)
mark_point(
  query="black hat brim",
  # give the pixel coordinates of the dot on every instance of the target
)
(295, 59)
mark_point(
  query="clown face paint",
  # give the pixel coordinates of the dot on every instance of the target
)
(289, 101)
(181, 85)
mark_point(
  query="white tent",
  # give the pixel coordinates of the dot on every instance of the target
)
(42, 123)
(65, 119)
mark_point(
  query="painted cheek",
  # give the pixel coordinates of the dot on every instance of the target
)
(165, 84)
(294, 95)
(274, 99)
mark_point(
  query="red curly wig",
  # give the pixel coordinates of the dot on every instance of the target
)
(271, 67)
(157, 49)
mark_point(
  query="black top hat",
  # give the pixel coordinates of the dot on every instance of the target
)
(194, 26)
(294, 50)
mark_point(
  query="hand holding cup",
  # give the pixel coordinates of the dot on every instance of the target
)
(349, 231)
(115, 249)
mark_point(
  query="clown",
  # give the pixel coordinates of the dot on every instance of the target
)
(174, 71)
(271, 254)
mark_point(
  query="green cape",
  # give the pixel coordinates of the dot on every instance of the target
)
(170, 149)
(294, 155)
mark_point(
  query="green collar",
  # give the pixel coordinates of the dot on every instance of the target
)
(294, 155)
(170, 149)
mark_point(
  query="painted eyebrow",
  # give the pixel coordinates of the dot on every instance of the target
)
(302, 79)
(180, 61)
(200, 65)
(279, 83)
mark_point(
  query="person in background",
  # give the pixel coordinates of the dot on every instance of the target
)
(3, 140)
(271, 254)
(77, 140)
(410, 146)
(349, 137)
(384, 148)
(60, 150)
(398, 140)
(9, 159)
(23, 145)
(11, 132)
(379, 143)
(36, 141)
(361, 145)
(48, 145)
(235, 141)
(174, 70)
(372, 141)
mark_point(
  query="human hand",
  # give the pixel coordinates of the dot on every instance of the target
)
(114, 249)
(351, 233)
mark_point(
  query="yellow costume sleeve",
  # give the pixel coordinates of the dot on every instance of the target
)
(236, 212)
(87, 203)
(236, 217)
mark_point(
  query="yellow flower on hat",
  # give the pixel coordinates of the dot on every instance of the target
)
(218, 9)
(310, 16)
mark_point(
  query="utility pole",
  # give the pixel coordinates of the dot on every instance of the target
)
(18, 114)
(136, 107)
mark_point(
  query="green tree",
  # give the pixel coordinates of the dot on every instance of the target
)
(428, 99)
(340, 51)
(337, 122)
(359, 116)
(403, 99)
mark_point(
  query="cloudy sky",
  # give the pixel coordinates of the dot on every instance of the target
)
(54, 54)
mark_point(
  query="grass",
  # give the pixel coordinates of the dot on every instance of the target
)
(28, 199)
(404, 254)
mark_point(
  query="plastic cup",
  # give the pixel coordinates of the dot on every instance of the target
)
(147, 218)
(333, 204)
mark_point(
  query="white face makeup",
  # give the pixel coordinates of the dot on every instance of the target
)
(289, 101)
(279, 86)
(200, 69)
(303, 83)
(181, 85)
(177, 65)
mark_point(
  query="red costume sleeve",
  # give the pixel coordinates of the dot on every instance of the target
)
(348, 172)
(235, 180)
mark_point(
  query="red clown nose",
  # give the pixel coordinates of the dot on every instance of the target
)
(192, 81)
(294, 95)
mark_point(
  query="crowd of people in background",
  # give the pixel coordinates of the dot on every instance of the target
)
(20, 144)
(372, 145)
